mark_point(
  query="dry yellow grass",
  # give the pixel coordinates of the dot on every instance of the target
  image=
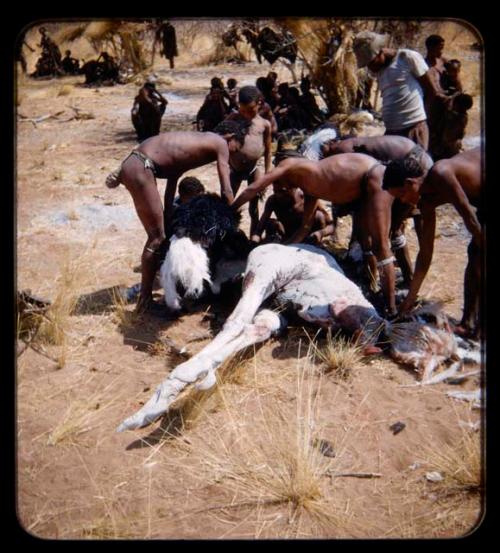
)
(340, 356)
(123, 314)
(82, 415)
(269, 459)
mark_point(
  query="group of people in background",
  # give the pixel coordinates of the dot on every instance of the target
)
(416, 166)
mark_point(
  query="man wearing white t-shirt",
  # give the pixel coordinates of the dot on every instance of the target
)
(402, 75)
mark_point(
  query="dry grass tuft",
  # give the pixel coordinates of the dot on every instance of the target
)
(53, 327)
(460, 464)
(125, 316)
(340, 356)
(81, 415)
(267, 458)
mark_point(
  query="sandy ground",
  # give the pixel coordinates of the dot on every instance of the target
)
(243, 462)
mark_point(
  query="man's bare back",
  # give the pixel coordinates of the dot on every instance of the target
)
(337, 179)
(466, 168)
(177, 152)
(383, 148)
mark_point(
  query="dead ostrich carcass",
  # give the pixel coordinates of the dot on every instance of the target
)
(310, 281)
(206, 248)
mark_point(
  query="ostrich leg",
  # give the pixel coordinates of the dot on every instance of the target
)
(243, 328)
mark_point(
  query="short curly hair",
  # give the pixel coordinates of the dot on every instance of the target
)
(191, 185)
(400, 169)
(238, 128)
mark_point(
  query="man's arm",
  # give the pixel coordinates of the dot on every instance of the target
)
(261, 225)
(376, 214)
(424, 257)
(223, 171)
(310, 205)
(432, 88)
(461, 203)
(260, 184)
(267, 146)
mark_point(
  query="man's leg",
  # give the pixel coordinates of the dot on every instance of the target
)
(419, 133)
(253, 205)
(141, 184)
(472, 282)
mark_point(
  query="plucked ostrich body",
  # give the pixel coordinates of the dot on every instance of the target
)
(311, 282)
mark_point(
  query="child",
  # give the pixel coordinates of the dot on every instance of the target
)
(288, 206)
(189, 188)
(450, 79)
(232, 91)
(243, 164)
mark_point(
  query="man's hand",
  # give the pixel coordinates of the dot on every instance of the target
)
(406, 305)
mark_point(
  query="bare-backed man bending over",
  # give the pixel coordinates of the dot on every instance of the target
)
(387, 148)
(457, 181)
(341, 179)
(168, 156)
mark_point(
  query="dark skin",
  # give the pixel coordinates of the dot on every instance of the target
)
(288, 206)
(147, 111)
(257, 143)
(174, 153)
(338, 179)
(457, 181)
(383, 148)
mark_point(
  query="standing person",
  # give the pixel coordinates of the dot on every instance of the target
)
(402, 76)
(147, 111)
(215, 106)
(168, 156)
(344, 179)
(257, 143)
(387, 148)
(313, 113)
(165, 34)
(458, 181)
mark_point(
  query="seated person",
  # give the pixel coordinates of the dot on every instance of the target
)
(189, 188)
(71, 66)
(288, 206)
(232, 91)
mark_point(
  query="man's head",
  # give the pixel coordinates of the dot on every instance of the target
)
(250, 99)
(231, 83)
(434, 45)
(189, 187)
(216, 82)
(272, 76)
(305, 84)
(453, 68)
(283, 192)
(367, 46)
(233, 132)
(336, 146)
(404, 177)
(67, 53)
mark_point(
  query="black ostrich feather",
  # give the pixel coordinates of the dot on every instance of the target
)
(206, 219)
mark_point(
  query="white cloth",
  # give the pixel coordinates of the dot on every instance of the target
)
(311, 147)
(402, 95)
